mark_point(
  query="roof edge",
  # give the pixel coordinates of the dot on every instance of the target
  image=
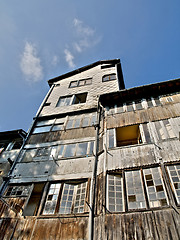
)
(69, 74)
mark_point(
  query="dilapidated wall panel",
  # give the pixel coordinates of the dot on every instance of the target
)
(143, 116)
(62, 135)
(133, 156)
(160, 225)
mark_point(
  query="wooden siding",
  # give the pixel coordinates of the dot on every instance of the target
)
(152, 225)
(62, 135)
(144, 116)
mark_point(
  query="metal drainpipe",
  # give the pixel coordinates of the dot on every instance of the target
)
(6, 181)
(94, 177)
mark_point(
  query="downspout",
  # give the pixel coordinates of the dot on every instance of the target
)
(94, 177)
(6, 181)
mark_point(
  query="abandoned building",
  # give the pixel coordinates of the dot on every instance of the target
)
(99, 162)
(10, 144)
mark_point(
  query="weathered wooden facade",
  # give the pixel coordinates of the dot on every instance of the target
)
(99, 162)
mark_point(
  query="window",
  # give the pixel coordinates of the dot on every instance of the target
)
(128, 135)
(74, 99)
(174, 175)
(43, 153)
(164, 129)
(79, 98)
(64, 101)
(17, 191)
(109, 77)
(66, 198)
(49, 125)
(115, 193)
(80, 83)
(81, 121)
(34, 200)
(135, 190)
(155, 187)
(76, 149)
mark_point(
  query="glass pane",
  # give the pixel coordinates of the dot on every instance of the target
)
(169, 128)
(66, 199)
(160, 130)
(57, 127)
(174, 174)
(68, 101)
(155, 187)
(135, 194)
(129, 107)
(115, 193)
(111, 137)
(77, 122)
(18, 191)
(70, 150)
(85, 122)
(138, 105)
(42, 129)
(61, 151)
(29, 154)
(146, 133)
(45, 122)
(73, 84)
(81, 149)
(149, 103)
(69, 123)
(80, 197)
(93, 119)
(51, 200)
(81, 82)
(61, 102)
(157, 101)
(91, 148)
(88, 81)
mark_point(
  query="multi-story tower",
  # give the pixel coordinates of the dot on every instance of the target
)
(99, 162)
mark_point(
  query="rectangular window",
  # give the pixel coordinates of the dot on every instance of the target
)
(155, 187)
(149, 103)
(144, 189)
(174, 175)
(76, 149)
(66, 198)
(64, 101)
(111, 137)
(49, 125)
(128, 135)
(17, 191)
(115, 193)
(79, 98)
(80, 83)
(134, 188)
(129, 107)
(85, 120)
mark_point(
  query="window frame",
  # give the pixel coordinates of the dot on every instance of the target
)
(126, 207)
(61, 197)
(79, 81)
(109, 77)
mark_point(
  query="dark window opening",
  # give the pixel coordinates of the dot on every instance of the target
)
(34, 201)
(80, 98)
(128, 135)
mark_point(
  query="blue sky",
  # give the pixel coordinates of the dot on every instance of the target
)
(41, 39)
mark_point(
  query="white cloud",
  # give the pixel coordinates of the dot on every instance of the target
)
(86, 36)
(69, 58)
(55, 60)
(31, 64)
(82, 29)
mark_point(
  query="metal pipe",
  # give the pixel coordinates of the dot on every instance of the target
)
(94, 177)
(6, 181)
